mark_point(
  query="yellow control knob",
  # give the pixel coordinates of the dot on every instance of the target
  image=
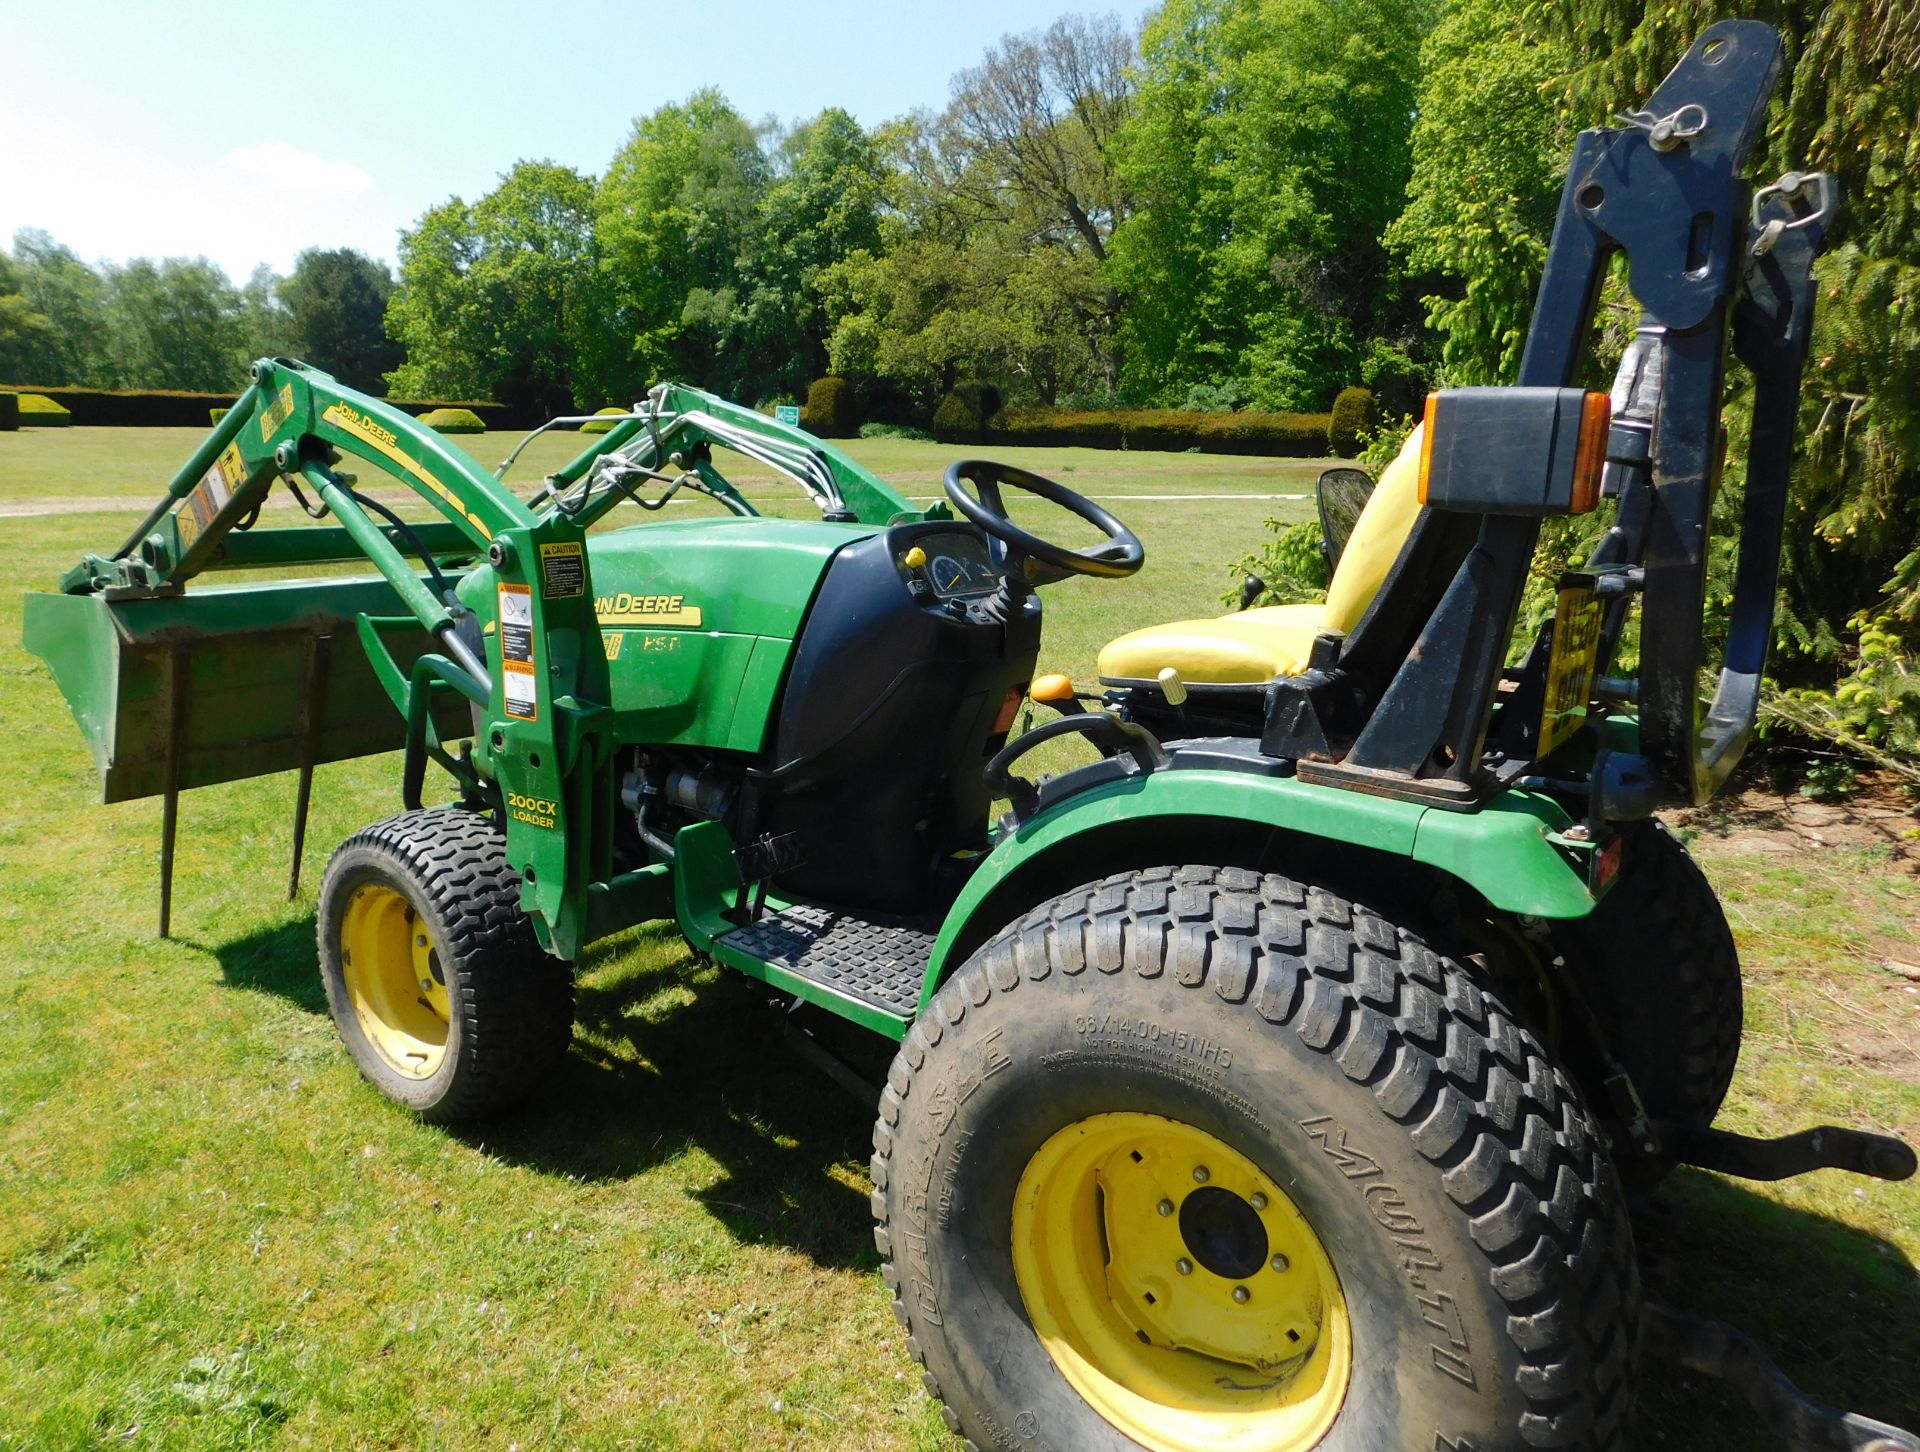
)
(914, 558)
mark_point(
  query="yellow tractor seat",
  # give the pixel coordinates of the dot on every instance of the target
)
(1254, 646)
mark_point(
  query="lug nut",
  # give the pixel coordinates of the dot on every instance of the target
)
(1242, 1295)
(1184, 1266)
(1165, 1207)
(1257, 1200)
(419, 941)
(1200, 1175)
(1280, 1264)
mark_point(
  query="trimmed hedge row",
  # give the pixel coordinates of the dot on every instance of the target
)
(174, 408)
(1352, 413)
(37, 411)
(1292, 435)
(9, 412)
(604, 428)
(453, 421)
(830, 411)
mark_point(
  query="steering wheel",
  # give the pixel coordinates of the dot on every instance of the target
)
(1032, 559)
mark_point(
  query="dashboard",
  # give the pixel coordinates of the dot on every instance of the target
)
(958, 565)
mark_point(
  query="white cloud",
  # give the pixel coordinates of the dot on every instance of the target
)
(286, 166)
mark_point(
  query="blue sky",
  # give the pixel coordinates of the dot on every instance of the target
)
(246, 132)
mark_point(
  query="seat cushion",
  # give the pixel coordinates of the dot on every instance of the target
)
(1257, 645)
(1253, 646)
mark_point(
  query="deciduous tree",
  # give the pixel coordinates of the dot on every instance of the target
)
(337, 305)
(1268, 150)
(501, 299)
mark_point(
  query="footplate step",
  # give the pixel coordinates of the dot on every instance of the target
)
(879, 964)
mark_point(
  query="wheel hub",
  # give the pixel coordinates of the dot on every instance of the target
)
(395, 979)
(1179, 1288)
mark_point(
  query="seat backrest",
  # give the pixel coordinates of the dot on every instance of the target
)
(1377, 537)
(1343, 494)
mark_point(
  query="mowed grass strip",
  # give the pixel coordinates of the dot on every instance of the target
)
(213, 1235)
(134, 466)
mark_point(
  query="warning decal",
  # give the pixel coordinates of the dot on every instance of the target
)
(516, 682)
(517, 676)
(211, 495)
(276, 413)
(563, 570)
(1570, 668)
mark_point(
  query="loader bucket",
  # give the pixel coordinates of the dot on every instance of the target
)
(185, 690)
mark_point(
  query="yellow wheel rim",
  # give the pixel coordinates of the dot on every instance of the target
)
(1178, 1289)
(395, 979)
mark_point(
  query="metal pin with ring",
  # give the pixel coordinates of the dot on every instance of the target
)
(1664, 133)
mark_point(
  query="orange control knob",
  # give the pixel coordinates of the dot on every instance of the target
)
(1052, 689)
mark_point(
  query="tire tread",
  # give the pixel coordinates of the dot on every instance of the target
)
(1479, 1097)
(516, 1001)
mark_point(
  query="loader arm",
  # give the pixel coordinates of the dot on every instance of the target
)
(535, 676)
(176, 691)
(679, 420)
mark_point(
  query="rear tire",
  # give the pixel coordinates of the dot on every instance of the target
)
(1661, 973)
(442, 994)
(1305, 1046)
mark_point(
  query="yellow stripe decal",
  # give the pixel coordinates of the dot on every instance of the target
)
(347, 420)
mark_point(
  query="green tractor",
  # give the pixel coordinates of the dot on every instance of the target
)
(1275, 1081)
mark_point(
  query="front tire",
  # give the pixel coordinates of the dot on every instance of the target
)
(441, 993)
(1437, 1227)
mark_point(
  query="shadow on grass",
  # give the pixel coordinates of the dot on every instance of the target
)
(277, 960)
(672, 1058)
(656, 1072)
(1837, 1308)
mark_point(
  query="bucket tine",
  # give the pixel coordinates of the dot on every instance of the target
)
(312, 712)
(170, 805)
(302, 794)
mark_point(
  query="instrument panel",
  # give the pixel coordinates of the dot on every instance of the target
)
(958, 565)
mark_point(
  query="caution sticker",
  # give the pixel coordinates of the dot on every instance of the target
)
(211, 495)
(523, 697)
(563, 570)
(1570, 668)
(276, 413)
(518, 678)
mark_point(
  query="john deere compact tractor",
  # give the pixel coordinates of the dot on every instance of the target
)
(1275, 1081)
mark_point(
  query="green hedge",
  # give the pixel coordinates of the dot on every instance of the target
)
(603, 428)
(955, 422)
(176, 408)
(454, 421)
(830, 412)
(1293, 435)
(895, 431)
(37, 411)
(1352, 413)
(9, 412)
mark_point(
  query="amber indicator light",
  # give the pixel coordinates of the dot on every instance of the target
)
(1426, 442)
(1590, 459)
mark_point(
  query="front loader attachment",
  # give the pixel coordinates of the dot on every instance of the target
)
(177, 687)
(186, 690)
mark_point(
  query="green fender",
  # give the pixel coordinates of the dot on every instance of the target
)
(1512, 851)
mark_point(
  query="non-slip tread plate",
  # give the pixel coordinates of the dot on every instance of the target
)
(873, 962)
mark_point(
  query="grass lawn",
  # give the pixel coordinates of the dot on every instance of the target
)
(213, 1235)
